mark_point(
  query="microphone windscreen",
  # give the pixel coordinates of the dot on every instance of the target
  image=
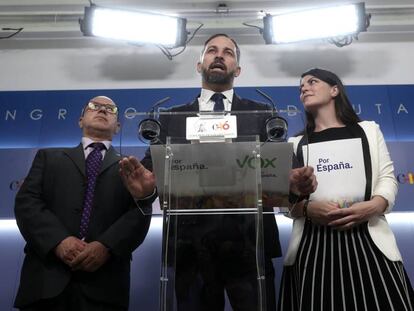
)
(149, 129)
(276, 129)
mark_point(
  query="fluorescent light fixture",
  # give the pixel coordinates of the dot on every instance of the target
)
(328, 22)
(134, 26)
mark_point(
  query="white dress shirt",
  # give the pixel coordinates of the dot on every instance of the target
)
(206, 104)
(86, 141)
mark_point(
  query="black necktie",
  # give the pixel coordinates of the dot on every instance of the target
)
(218, 101)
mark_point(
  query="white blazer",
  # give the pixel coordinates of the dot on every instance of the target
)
(383, 184)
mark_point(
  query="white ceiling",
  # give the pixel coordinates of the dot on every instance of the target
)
(392, 20)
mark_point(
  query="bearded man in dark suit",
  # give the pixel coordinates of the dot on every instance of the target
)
(203, 242)
(81, 230)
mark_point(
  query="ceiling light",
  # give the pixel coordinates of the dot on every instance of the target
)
(134, 26)
(328, 22)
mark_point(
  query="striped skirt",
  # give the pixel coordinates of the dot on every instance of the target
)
(343, 270)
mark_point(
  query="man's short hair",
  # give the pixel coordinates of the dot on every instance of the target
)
(223, 35)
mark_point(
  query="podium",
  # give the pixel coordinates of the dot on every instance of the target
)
(214, 197)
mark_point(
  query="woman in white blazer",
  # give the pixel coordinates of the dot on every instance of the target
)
(342, 253)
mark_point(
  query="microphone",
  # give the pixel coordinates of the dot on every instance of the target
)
(276, 126)
(268, 98)
(149, 129)
(158, 103)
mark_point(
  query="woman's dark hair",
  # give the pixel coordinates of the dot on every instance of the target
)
(343, 108)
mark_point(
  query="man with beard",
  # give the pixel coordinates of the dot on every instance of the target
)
(211, 253)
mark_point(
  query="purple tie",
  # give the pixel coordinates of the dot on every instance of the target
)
(93, 165)
(217, 98)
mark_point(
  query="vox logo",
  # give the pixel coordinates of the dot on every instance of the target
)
(250, 161)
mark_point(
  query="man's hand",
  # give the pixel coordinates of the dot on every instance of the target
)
(302, 181)
(69, 248)
(139, 181)
(91, 258)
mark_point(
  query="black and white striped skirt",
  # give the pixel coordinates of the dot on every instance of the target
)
(343, 270)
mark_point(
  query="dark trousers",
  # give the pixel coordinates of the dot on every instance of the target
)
(216, 255)
(209, 294)
(71, 299)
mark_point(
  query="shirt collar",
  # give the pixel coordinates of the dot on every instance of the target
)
(204, 99)
(86, 141)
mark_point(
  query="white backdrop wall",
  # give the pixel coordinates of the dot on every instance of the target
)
(122, 66)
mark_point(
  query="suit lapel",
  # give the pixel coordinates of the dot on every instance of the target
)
(236, 104)
(177, 126)
(193, 106)
(111, 157)
(77, 156)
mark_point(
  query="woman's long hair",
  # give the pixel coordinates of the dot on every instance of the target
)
(343, 108)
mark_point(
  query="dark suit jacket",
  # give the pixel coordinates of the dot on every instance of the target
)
(247, 124)
(48, 209)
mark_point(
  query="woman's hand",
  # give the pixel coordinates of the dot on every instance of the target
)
(320, 212)
(357, 213)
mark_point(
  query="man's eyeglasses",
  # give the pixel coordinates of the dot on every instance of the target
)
(109, 108)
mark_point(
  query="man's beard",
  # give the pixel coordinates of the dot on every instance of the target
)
(217, 77)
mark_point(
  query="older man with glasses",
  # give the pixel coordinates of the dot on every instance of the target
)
(81, 216)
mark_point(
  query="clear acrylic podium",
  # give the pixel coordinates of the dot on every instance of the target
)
(213, 197)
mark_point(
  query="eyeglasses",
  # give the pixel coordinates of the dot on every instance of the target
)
(108, 108)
